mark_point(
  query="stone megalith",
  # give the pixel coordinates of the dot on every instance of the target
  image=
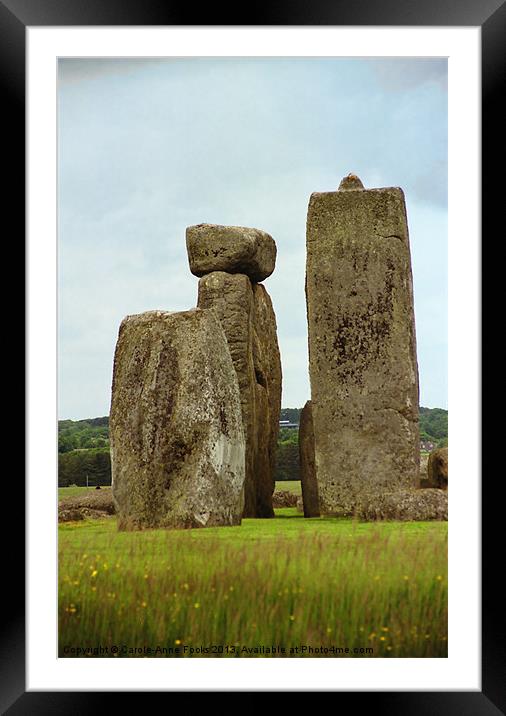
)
(177, 438)
(437, 469)
(268, 377)
(405, 505)
(246, 315)
(424, 459)
(234, 249)
(307, 463)
(362, 345)
(230, 296)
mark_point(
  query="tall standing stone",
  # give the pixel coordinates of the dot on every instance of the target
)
(230, 296)
(437, 469)
(267, 365)
(177, 438)
(362, 346)
(308, 480)
(247, 318)
(230, 261)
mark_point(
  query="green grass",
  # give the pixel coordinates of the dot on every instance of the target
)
(290, 485)
(71, 491)
(287, 581)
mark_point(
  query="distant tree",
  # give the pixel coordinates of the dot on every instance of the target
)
(287, 465)
(74, 466)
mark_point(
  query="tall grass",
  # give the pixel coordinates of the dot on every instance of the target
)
(285, 582)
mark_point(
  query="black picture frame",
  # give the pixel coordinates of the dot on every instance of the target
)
(490, 15)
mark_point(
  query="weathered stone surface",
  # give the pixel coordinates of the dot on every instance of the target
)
(235, 249)
(284, 498)
(267, 366)
(437, 469)
(70, 515)
(230, 296)
(246, 315)
(263, 475)
(101, 502)
(362, 346)
(307, 463)
(177, 440)
(423, 481)
(404, 505)
(350, 182)
(423, 470)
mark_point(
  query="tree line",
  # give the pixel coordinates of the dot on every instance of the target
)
(83, 446)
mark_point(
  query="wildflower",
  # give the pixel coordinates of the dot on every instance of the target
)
(384, 628)
(382, 638)
(197, 605)
(439, 577)
(292, 617)
(177, 641)
(94, 573)
(406, 577)
(144, 604)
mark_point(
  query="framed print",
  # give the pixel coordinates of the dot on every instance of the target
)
(171, 169)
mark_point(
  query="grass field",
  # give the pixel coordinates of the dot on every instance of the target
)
(291, 486)
(288, 581)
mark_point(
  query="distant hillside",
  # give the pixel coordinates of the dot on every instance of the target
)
(434, 425)
(83, 434)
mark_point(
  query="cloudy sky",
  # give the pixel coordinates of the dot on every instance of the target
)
(148, 147)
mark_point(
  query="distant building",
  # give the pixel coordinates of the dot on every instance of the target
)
(287, 424)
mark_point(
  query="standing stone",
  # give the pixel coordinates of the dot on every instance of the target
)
(267, 364)
(423, 481)
(307, 463)
(235, 249)
(177, 440)
(437, 469)
(362, 346)
(230, 296)
(246, 315)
